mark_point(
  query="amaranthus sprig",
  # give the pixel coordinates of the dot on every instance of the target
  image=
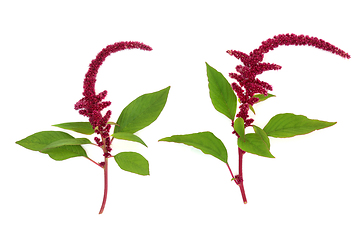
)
(138, 114)
(249, 90)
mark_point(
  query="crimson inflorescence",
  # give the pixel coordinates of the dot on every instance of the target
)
(92, 104)
(248, 85)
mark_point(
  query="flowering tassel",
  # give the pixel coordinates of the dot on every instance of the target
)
(248, 85)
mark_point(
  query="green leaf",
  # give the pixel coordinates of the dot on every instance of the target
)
(263, 135)
(142, 111)
(288, 125)
(132, 162)
(38, 141)
(252, 108)
(239, 127)
(207, 142)
(112, 123)
(129, 137)
(67, 142)
(65, 152)
(262, 97)
(80, 127)
(255, 144)
(222, 95)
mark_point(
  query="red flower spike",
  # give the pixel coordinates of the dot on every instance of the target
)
(91, 104)
(248, 85)
(252, 66)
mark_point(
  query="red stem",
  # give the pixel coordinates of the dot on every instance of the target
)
(240, 176)
(105, 186)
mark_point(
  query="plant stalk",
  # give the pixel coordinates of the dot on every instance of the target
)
(105, 186)
(239, 178)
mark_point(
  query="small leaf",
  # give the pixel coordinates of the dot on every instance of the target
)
(129, 137)
(288, 125)
(80, 127)
(252, 108)
(239, 127)
(222, 95)
(263, 135)
(132, 162)
(112, 123)
(255, 144)
(142, 111)
(262, 97)
(66, 142)
(207, 142)
(38, 141)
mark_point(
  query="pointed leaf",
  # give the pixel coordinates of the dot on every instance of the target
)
(262, 97)
(80, 127)
(222, 95)
(132, 162)
(67, 142)
(129, 137)
(112, 123)
(288, 125)
(207, 142)
(65, 152)
(142, 111)
(252, 109)
(263, 135)
(239, 127)
(38, 141)
(254, 144)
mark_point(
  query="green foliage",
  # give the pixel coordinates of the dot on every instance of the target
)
(142, 111)
(80, 127)
(288, 125)
(263, 135)
(54, 143)
(256, 144)
(222, 95)
(239, 127)
(129, 137)
(67, 142)
(262, 97)
(207, 142)
(132, 162)
(252, 108)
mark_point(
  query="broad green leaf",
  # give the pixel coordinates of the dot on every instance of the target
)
(263, 135)
(65, 152)
(132, 162)
(262, 97)
(288, 125)
(255, 144)
(38, 141)
(239, 127)
(207, 142)
(222, 95)
(129, 137)
(142, 111)
(80, 127)
(67, 142)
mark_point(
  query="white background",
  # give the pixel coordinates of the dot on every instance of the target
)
(309, 191)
